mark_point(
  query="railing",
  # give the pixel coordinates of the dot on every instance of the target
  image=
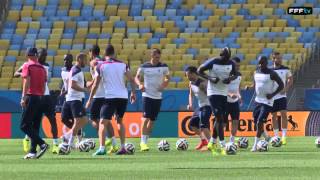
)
(292, 102)
(250, 106)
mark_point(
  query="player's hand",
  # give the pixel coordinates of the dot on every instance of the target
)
(269, 96)
(214, 80)
(189, 107)
(23, 103)
(89, 84)
(133, 98)
(226, 81)
(161, 88)
(141, 88)
(234, 96)
(88, 104)
(240, 102)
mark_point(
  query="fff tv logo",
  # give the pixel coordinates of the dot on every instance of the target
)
(299, 10)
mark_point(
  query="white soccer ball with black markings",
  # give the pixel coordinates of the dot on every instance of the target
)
(231, 148)
(243, 142)
(317, 142)
(263, 146)
(130, 148)
(163, 145)
(92, 143)
(84, 146)
(276, 142)
(182, 145)
(64, 149)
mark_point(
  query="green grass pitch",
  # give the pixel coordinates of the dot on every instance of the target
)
(300, 159)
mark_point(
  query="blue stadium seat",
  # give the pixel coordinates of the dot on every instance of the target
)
(77, 46)
(225, 18)
(293, 23)
(6, 36)
(182, 12)
(171, 12)
(176, 18)
(65, 46)
(29, 2)
(51, 52)
(181, 25)
(163, 18)
(190, 30)
(158, 12)
(220, 45)
(234, 45)
(83, 24)
(113, 2)
(10, 58)
(26, 19)
(15, 47)
(202, 18)
(120, 24)
(216, 40)
(153, 41)
(125, 2)
(193, 24)
(243, 11)
(105, 36)
(267, 50)
(10, 25)
(234, 34)
(193, 51)
(179, 41)
(176, 79)
(31, 36)
(92, 36)
(132, 30)
(202, 30)
(144, 30)
(148, 4)
(138, 18)
(287, 56)
(16, 2)
(229, 40)
(279, 11)
(68, 36)
(259, 35)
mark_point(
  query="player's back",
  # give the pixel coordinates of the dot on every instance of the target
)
(112, 72)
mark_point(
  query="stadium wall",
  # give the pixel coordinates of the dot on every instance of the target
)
(312, 99)
(169, 124)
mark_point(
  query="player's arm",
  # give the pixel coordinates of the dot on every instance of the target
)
(18, 72)
(233, 75)
(204, 67)
(203, 86)
(275, 77)
(133, 86)
(138, 79)
(25, 85)
(289, 82)
(189, 107)
(93, 91)
(165, 82)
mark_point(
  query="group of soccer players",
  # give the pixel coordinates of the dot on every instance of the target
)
(218, 93)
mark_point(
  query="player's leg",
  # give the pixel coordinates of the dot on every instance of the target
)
(256, 114)
(120, 111)
(284, 118)
(275, 123)
(151, 108)
(235, 116)
(50, 113)
(80, 120)
(205, 114)
(67, 120)
(106, 114)
(194, 125)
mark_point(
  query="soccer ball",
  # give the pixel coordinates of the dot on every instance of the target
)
(262, 146)
(163, 145)
(130, 148)
(243, 142)
(231, 148)
(64, 149)
(84, 146)
(317, 142)
(276, 142)
(92, 143)
(182, 145)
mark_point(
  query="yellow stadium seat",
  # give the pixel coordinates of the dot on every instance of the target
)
(242, 40)
(231, 23)
(74, 13)
(255, 23)
(147, 12)
(231, 12)
(188, 18)
(288, 29)
(267, 11)
(185, 35)
(111, 10)
(146, 35)
(36, 14)
(172, 35)
(172, 85)
(13, 15)
(316, 22)
(156, 26)
(305, 22)
(25, 13)
(170, 46)
(252, 29)
(185, 46)
(268, 23)
(295, 34)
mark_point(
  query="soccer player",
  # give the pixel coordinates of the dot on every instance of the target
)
(265, 80)
(280, 100)
(47, 106)
(234, 100)
(221, 73)
(156, 78)
(73, 107)
(200, 119)
(33, 87)
(99, 99)
(112, 75)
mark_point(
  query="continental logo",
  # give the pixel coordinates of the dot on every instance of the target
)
(296, 124)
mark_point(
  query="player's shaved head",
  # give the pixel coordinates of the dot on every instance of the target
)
(263, 62)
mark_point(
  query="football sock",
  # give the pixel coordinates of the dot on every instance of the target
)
(256, 140)
(55, 141)
(265, 134)
(26, 137)
(102, 148)
(114, 141)
(213, 140)
(232, 139)
(284, 132)
(71, 140)
(144, 139)
(276, 132)
(222, 143)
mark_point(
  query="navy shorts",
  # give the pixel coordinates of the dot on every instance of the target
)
(113, 106)
(73, 109)
(151, 108)
(279, 104)
(233, 110)
(95, 108)
(218, 104)
(261, 112)
(201, 117)
(47, 106)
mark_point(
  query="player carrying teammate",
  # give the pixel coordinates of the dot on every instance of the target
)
(264, 82)
(111, 74)
(73, 107)
(200, 119)
(221, 73)
(280, 100)
(156, 79)
(234, 100)
(99, 98)
(33, 87)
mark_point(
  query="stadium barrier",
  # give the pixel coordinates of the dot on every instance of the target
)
(169, 124)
